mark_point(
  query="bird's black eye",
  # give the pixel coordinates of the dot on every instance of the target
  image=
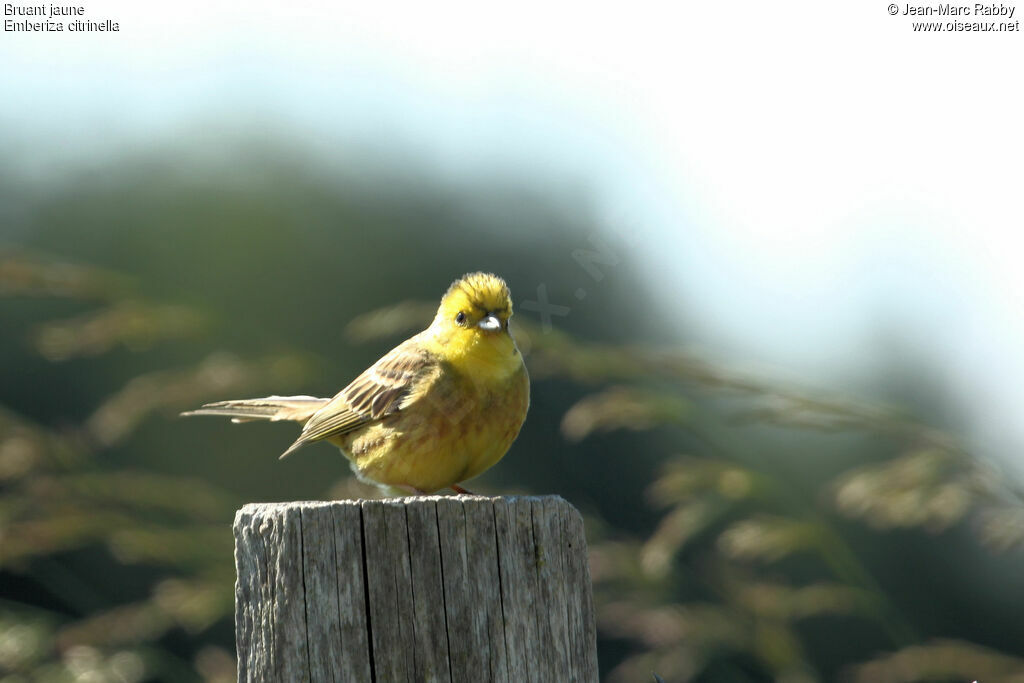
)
(461, 318)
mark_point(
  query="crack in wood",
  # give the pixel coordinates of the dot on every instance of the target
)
(471, 589)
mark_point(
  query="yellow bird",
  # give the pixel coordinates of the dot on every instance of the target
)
(437, 410)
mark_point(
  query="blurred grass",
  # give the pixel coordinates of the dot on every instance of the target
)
(741, 528)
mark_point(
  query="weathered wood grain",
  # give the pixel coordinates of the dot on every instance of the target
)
(270, 599)
(388, 581)
(460, 588)
(580, 618)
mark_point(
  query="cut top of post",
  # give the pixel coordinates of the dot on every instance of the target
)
(430, 588)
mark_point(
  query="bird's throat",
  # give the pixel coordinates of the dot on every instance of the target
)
(485, 357)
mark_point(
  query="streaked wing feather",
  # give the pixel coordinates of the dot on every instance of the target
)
(374, 395)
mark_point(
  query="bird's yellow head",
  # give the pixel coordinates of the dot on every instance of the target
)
(479, 303)
(472, 322)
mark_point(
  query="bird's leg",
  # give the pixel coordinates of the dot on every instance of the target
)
(459, 489)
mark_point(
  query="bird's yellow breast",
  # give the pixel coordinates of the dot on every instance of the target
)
(458, 427)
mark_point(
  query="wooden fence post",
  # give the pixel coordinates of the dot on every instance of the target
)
(431, 588)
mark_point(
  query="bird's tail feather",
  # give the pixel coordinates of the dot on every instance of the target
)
(273, 408)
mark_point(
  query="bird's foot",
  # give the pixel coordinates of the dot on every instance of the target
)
(459, 489)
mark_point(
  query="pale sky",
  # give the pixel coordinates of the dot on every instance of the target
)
(802, 169)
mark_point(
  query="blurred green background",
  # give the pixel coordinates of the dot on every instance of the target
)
(781, 382)
(741, 527)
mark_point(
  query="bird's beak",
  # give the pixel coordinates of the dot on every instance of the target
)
(489, 323)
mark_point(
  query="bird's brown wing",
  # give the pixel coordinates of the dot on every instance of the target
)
(382, 390)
